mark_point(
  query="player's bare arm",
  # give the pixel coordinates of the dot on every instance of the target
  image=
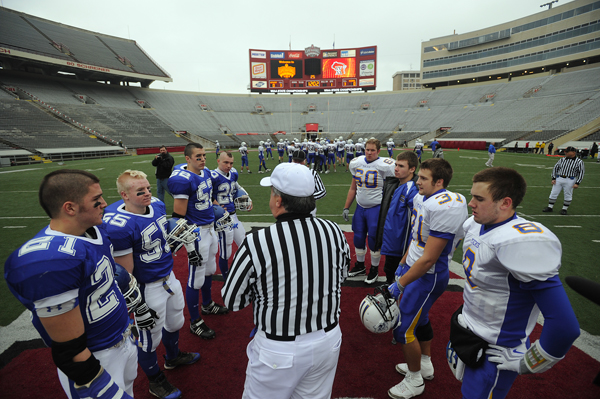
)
(126, 261)
(432, 252)
(180, 206)
(351, 194)
(66, 327)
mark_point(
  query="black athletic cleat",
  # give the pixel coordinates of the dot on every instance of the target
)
(182, 359)
(359, 268)
(547, 209)
(161, 388)
(214, 308)
(199, 328)
(373, 274)
(563, 211)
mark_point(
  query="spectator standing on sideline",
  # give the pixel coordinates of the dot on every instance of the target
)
(491, 155)
(516, 146)
(550, 148)
(423, 274)
(439, 151)
(566, 175)
(300, 157)
(368, 174)
(65, 277)
(594, 150)
(542, 147)
(163, 161)
(393, 228)
(527, 148)
(434, 145)
(294, 290)
(537, 147)
(511, 265)
(131, 223)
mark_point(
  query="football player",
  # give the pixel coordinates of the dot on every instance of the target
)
(137, 227)
(341, 145)
(226, 190)
(418, 149)
(349, 148)
(290, 150)
(423, 275)
(65, 276)
(261, 157)
(511, 265)
(368, 175)
(310, 158)
(331, 149)
(390, 147)
(217, 148)
(269, 147)
(244, 152)
(280, 150)
(359, 148)
(191, 186)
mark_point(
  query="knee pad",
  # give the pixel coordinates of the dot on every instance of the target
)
(424, 333)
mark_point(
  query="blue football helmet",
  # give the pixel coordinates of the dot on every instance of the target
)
(129, 288)
(223, 220)
(242, 200)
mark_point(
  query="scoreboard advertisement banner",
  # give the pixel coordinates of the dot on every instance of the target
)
(313, 70)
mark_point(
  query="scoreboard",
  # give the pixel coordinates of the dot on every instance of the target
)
(313, 70)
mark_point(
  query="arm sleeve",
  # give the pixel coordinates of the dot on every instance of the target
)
(561, 328)
(237, 291)
(579, 176)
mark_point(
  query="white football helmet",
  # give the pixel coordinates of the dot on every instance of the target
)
(181, 233)
(349, 141)
(223, 220)
(242, 200)
(261, 143)
(341, 138)
(243, 143)
(306, 140)
(379, 313)
(360, 140)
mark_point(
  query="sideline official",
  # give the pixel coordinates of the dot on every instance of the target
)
(292, 274)
(566, 175)
(164, 166)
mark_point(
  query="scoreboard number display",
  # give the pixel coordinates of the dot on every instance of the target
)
(313, 70)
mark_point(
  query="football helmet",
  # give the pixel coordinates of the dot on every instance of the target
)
(242, 200)
(129, 288)
(349, 141)
(379, 313)
(243, 143)
(261, 143)
(360, 140)
(181, 233)
(341, 138)
(223, 220)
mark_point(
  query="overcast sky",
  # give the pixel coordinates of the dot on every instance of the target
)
(204, 45)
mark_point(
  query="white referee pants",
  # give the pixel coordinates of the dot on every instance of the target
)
(563, 183)
(300, 369)
(207, 248)
(120, 362)
(490, 161)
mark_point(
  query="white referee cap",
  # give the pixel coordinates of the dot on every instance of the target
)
(292, 179)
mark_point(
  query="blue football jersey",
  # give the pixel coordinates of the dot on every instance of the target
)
(54, 272)
(142, 235)
(197, 189)
(225, 187)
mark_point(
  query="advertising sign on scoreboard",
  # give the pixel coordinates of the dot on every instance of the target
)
(313, 70)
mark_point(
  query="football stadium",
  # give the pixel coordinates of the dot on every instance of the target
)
(72, 98)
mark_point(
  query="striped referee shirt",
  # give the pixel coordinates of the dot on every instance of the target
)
(292, 273)
(320, 191)
(569, 167)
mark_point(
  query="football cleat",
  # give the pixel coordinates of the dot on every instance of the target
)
(426, 369)
(214, 308)
(373, 274)
(407, 389)
(182, 359)
(199, 328)
(563, 211)
(547, 209)
(358, 269)
(223, 220)
(379, 313)
(162, 388)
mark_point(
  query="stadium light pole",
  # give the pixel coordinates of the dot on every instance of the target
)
(549, 4)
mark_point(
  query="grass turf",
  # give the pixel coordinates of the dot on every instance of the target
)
(579, 232)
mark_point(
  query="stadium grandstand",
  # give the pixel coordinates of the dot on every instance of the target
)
(69, 93)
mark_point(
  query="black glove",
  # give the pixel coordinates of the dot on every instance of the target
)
(145, 316)
(195, 258)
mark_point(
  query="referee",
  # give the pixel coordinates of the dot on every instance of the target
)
(567, 175)
(300, 157)
(292, 274)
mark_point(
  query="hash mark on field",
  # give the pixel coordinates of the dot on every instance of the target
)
(595, 240)
(14, 227)
(576, 227)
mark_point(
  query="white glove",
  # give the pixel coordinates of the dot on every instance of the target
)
(507, 358)
(346, 214)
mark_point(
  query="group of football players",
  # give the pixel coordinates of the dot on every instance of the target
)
(100, 263)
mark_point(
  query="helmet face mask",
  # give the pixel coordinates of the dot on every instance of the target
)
(180, 234)
(223, 219)
(242, 201)
(379, 313)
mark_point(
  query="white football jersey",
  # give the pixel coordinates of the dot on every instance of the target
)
(369, 178)
(311, 147)
(497, 261)
(440, 215)
(359, 147)
(340, 145)
(349, 148)
(390, 144)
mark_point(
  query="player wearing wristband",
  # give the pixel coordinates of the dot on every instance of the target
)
(511, 265)
(438, 216)
(191, 186)
(65, 277)
(137, 227)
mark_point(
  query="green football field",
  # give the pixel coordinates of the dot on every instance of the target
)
(579, 232)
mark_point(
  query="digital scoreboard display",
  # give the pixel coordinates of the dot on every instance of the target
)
(313, 70)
